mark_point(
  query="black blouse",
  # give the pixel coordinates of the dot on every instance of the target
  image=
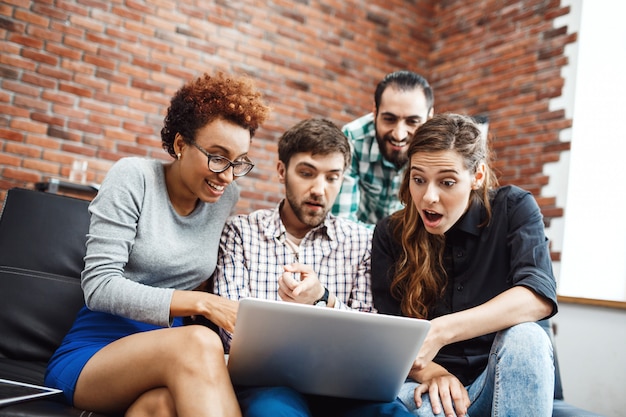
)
(481, 262)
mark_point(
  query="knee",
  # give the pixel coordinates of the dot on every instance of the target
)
(200, 339)
(526, 343)
(200, 348)
(526, 336)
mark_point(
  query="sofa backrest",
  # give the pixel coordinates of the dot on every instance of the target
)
(44, 232)
(42, 245)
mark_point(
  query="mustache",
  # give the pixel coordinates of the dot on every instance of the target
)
(389, 138)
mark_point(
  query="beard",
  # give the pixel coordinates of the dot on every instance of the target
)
(305, 215)
(397, 157)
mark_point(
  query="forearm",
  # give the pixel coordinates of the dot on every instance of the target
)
(514, 306)
(114, 294)
(191, 303)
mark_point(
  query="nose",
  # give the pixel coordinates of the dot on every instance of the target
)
(318, 185)
(401, 131)
(228, 174)
(431, 196)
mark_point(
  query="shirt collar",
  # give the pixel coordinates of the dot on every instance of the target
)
(471, 220)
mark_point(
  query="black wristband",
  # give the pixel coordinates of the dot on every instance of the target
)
(323, 301)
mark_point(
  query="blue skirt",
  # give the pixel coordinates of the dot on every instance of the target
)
(91, 331)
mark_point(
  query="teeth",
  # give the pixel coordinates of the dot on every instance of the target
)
(215, 186)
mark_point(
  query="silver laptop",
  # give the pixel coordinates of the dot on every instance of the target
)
(14, 392)
(323, 351)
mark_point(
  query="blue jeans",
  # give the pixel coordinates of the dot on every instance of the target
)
(286, 402)
(518, 379)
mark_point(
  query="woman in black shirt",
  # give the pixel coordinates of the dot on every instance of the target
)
(472, 258)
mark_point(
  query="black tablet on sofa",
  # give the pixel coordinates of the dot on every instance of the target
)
(13, 392)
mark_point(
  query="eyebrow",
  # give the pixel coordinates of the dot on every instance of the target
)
(443, 171)
(309, 165)
(222, 151)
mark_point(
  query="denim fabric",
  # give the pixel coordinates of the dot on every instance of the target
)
(518, 380)
(286, 402)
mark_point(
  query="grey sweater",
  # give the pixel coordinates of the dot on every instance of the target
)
(139, 249)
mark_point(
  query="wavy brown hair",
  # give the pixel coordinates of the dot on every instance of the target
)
(420, 278)
(207, 98)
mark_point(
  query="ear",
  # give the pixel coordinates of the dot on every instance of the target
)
(282, 170)
(479, 176)
(179, 143)
(431, 113)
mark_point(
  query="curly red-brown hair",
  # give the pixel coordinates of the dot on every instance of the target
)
(207, 98)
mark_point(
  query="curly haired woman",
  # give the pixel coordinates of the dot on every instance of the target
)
(153, 238)
(472, 258)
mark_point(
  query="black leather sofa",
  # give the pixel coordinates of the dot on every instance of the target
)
(42, 244)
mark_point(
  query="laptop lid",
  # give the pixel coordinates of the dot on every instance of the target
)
(13, 391)
(323, 351)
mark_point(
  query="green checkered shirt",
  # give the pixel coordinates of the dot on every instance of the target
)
(370, 187)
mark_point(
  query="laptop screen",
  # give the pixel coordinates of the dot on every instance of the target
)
(323, 351)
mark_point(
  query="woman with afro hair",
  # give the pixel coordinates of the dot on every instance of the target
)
(153, 238)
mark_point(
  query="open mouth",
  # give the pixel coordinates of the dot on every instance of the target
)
(315, 205)
(432, 216)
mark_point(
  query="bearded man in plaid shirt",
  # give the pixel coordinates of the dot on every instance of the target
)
(403, 101)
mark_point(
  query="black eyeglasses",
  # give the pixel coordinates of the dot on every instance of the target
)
(219, 164)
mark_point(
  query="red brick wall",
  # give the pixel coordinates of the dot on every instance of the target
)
(92, 79)
(504, 59)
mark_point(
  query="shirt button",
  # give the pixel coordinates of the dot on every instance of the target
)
(459, 254)
(459, 287)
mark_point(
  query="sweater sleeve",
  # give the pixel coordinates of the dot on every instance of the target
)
(115, 214)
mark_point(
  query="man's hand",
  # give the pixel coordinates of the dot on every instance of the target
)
(305, 290)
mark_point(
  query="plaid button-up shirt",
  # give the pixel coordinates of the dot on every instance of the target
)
(370, 187)
(254, 249)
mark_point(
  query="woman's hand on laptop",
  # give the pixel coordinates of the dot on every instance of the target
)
(220, 310)
(224, 313)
